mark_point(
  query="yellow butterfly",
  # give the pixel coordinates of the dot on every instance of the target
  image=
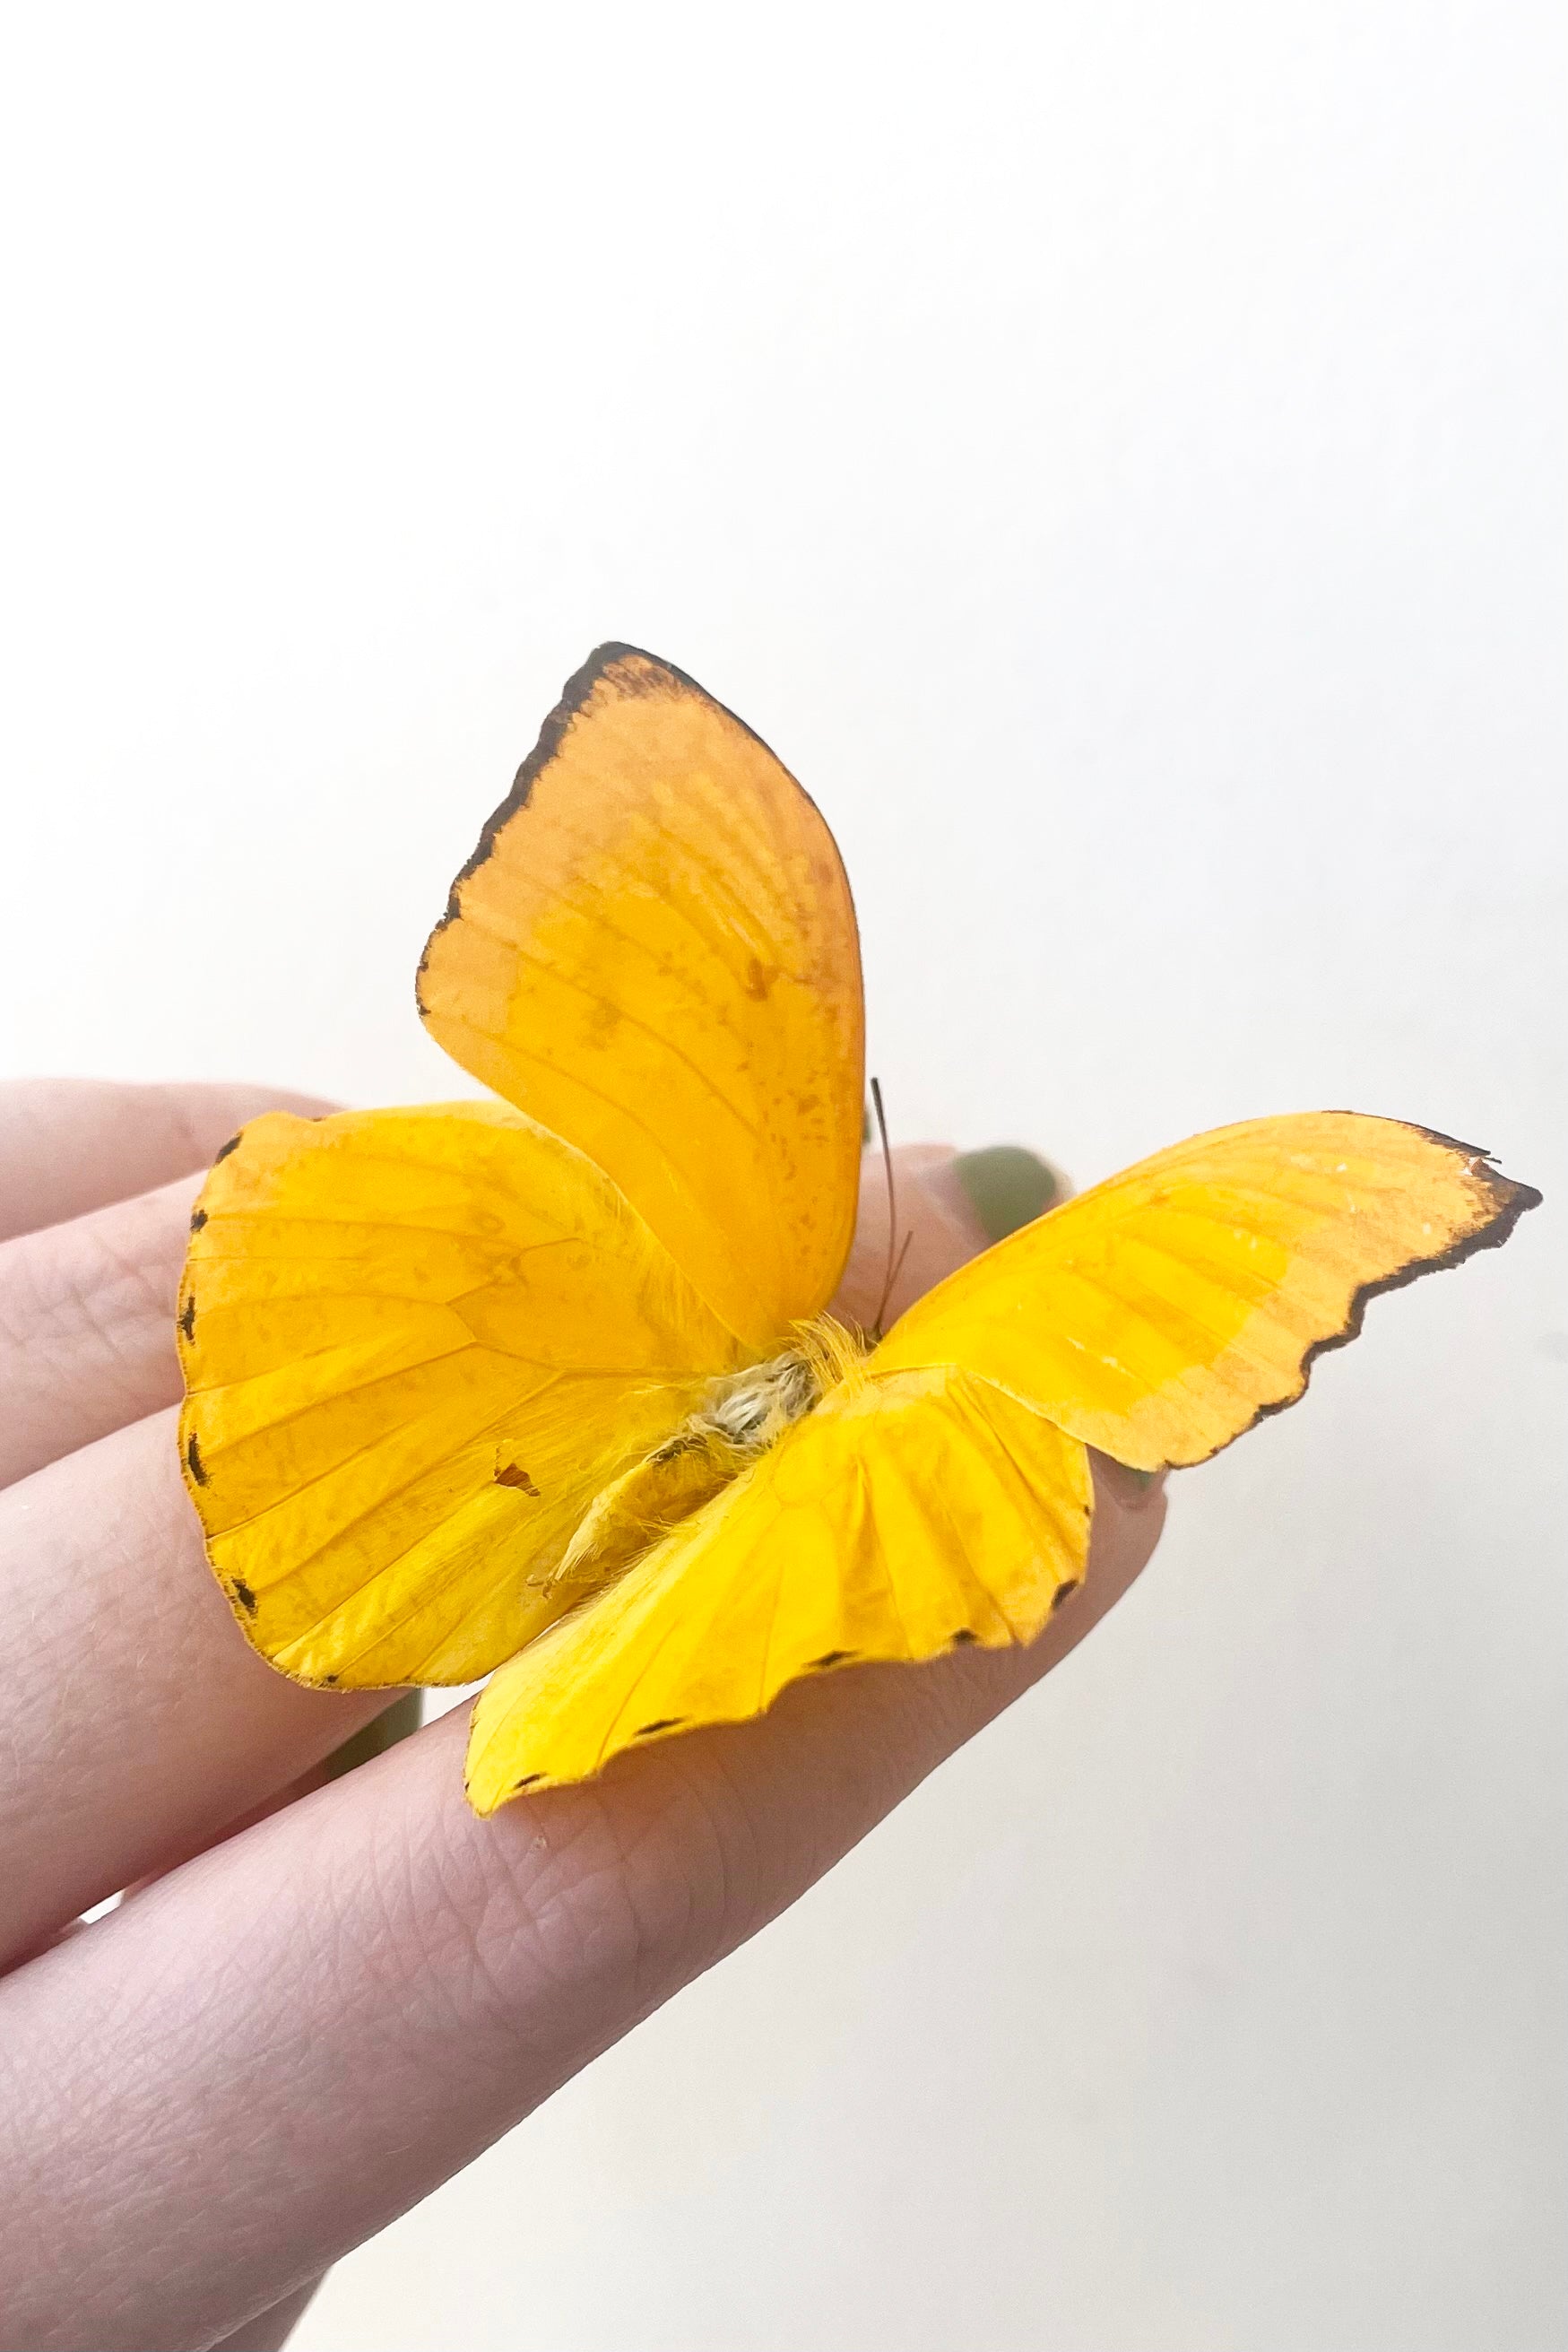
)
(546, 1385)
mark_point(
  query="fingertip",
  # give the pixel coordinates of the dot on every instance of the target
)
(69, 1146)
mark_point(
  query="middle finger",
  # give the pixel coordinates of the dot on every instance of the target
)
(87, 1310)
(139, 1723)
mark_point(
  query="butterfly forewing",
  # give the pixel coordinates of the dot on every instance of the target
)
(654, 952)
(1158, 1316)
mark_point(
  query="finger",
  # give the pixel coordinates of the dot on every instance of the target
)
(71, 1145)
(87, 1325)
(271, 2330)
(398, 1721)
(947, 1208)
(138, 1722)
(273, 2053)
(891, 1265)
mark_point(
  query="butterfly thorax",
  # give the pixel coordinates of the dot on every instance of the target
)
(746, 1411)
(741, 1415)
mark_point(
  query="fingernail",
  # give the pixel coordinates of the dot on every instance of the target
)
(1007, 1187)
(394, 1723)
(1130, 1487)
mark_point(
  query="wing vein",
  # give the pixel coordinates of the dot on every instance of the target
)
(497, 1423)
(563, 979)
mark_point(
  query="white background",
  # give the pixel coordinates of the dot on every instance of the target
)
(1114, 452)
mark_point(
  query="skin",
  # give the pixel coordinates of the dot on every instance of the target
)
(322, 2000)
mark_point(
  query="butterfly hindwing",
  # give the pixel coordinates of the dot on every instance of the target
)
(654, 952)
(905, 1515)
(416, 1343)
(1160, 1314)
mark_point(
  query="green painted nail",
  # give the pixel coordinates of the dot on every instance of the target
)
(1008, 1186)
(393, 1724)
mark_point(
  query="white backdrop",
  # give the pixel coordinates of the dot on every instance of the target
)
(1114, 453)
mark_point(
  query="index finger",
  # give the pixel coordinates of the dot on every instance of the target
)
(71, 1145)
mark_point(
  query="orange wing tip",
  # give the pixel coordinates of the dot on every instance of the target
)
(1509, 1198)
(1502, 1201)
(574, 694)
(628, 670)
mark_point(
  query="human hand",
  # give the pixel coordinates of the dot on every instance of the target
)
(289, 2037)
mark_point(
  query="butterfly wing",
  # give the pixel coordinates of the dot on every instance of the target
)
(904, 1516)
(1160, 1314)
(654, 952)
(416, 1343)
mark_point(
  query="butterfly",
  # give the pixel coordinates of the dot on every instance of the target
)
(543, 1387)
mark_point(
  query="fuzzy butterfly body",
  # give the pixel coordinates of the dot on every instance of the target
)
(546, 1384)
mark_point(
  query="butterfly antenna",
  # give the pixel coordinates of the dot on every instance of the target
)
(893, 1278)
(894, 1262)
